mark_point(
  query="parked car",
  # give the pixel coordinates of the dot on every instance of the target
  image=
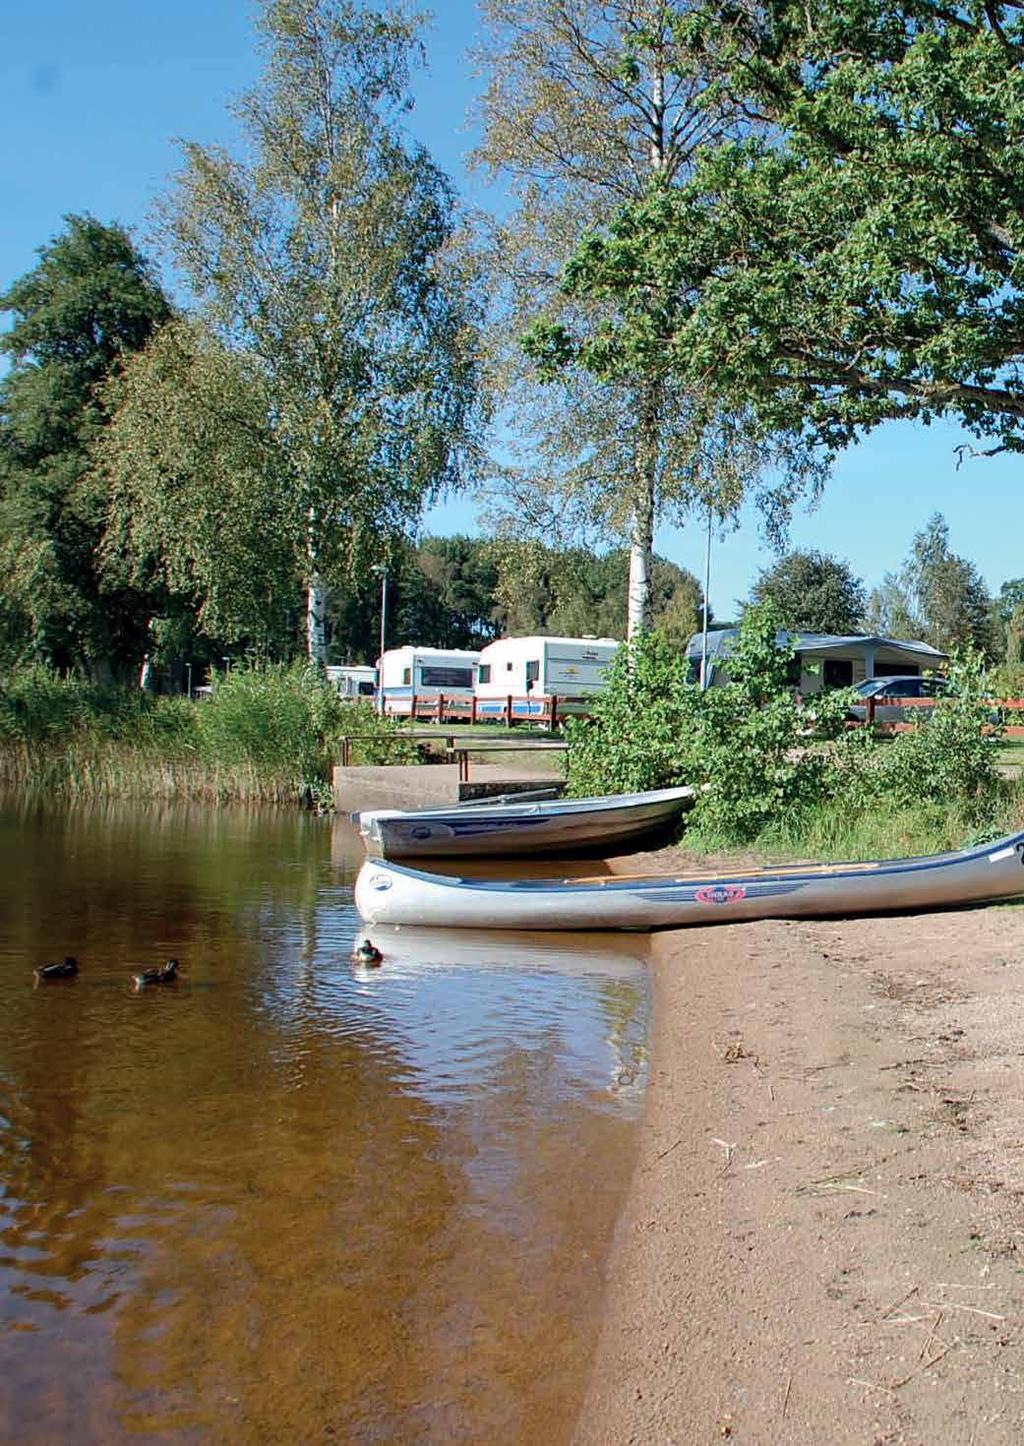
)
(884, 689)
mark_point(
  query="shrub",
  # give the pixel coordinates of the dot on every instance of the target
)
(635, 737)
(951, 757)
(745, 745)
(755, 753)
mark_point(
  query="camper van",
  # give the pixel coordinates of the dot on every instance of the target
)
(424, 674)
(530, 670)
(353, 680)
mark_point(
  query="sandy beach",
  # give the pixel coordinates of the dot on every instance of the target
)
(824, 1238)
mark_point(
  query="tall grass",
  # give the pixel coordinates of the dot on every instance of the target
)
(267, 734)
(881, 828)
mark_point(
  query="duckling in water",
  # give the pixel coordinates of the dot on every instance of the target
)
(167, 974)
(67, 970)
(368, 953)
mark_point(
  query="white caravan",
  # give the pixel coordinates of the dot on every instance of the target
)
(353, 680)
(424, 674)
(530, 670)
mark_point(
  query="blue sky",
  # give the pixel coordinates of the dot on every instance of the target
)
(92, 97)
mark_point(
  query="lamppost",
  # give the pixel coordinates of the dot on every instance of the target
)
(707, 589)
(382, 569)
(188, 677)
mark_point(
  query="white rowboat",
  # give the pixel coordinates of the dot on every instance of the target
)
(554, 825)
(388, 893)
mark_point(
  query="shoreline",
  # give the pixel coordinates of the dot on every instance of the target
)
(825, 1222)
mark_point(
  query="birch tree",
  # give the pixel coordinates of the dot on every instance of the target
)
(588, 107)
(321, 250)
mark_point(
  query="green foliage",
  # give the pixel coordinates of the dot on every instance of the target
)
(273, 717)
(754, 752)
(950, 757)
(764, 766)
(586, 106)
(937, 596)
(1007, 681)
(39, 707)
(266, 731)
(189, 445)
(744, 746)
(322, 251)
(814, 591)
(89, 303)
(631, 741)
(574, 592)
(853, 256)
(377, 740)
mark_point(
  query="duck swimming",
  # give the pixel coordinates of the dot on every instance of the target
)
(368, 953)
(166, 974)
(67, 970)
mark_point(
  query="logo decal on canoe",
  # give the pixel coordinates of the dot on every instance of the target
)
(380, 882)
(720, 894)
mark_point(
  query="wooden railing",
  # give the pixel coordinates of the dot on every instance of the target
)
(457, 748)
(546, 710)
(1002, 706)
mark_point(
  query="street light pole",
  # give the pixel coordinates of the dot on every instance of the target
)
(707, 589)
(383, 634)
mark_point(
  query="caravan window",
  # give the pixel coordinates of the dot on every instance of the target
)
(446, 677)
(406, 677)
(483, 673)
(532, 672)
(366, 690)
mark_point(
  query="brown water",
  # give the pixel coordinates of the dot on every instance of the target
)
(290, 1199)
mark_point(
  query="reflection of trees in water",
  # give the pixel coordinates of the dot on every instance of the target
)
(241, 1221)
(281, 1225)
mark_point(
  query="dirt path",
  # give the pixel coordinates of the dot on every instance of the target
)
(825, 1236)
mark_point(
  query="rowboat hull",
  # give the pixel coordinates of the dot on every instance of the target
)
(388, 893)
(496, 830)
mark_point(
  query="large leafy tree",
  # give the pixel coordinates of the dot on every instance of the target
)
(937, 596)
(813, 590)
(587, 105)
(89, 304)
(578, 592)
(321, 251)
(856, 256)
(198, 503)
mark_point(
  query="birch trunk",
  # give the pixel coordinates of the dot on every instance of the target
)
(641, 530)
(316, 597)
(316, 608)
(648, 436)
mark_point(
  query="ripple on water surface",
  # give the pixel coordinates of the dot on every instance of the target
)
(292, 1196)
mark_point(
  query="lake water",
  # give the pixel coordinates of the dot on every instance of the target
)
(293, 1199)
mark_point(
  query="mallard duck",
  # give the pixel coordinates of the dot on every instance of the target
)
(67, 970)
(166, 974)
(368, 953)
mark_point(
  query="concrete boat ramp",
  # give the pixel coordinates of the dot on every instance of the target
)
(430, 785)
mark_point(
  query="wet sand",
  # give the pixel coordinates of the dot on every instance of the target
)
(824, 1237)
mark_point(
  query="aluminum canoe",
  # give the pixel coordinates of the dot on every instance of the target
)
(389, 893)
(555, 825)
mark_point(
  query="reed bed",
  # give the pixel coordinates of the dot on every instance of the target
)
(268, 734)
